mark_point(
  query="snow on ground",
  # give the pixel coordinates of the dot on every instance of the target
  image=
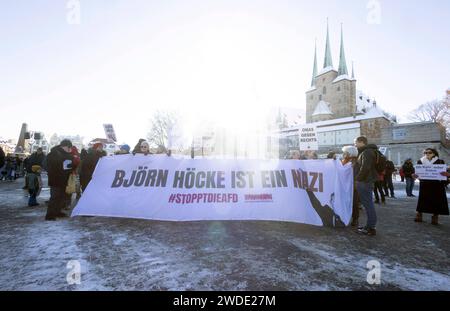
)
(130, 254)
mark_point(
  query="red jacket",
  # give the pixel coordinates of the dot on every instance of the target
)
(76, 158)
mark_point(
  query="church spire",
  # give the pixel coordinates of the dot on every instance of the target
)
(328, 62)
(313, 80)
(353, 71)
(342, 62)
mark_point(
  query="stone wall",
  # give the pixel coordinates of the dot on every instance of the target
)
(372, 129)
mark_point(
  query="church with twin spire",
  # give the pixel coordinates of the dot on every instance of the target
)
(333, 92)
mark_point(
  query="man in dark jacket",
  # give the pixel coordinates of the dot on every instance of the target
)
(390, 169)
(365, 178)
(89, 163)
(59, 167)
(409, 171)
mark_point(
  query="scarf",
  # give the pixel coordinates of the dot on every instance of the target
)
(425, 161)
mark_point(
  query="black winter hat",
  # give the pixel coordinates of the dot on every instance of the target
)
(66, 143)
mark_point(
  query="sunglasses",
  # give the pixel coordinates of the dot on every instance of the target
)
(144, 147)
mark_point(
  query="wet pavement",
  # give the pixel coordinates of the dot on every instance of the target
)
(128, 254)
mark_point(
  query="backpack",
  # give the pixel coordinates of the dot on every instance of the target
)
(380, 164)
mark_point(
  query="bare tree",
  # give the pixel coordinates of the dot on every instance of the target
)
(437, 111)
(163, 130)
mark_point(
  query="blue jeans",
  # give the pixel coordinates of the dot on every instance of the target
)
(409, 186)
(32, 200)
(365, 190)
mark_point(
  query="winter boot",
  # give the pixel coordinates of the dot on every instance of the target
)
(367, 231)
(434, 220)
(418, 217)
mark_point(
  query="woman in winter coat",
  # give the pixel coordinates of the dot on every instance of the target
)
(432, 194)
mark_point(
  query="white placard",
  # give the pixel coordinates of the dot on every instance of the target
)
(383, 150)
(308, 138)
(431, 172)
(109, 132)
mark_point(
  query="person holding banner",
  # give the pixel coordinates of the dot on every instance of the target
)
(432, 193)
(137, 148)
(144, 148)
(295, 155)
(89, 163)
(350, 155)
(59, 167)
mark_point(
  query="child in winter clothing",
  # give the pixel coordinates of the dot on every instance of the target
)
(34, 185)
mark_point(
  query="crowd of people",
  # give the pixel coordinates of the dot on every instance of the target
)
(11, 167)
(70, 171)
(373, 182)
(370, 173)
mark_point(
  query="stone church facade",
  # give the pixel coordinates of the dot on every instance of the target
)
(333, 92)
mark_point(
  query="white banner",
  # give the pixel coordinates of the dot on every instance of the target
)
(317, 192)
(431, 172)
(308, 138)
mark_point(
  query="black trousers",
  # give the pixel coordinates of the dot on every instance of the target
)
(378, 188)
(355, 211)
(387, 184)
(57, 201)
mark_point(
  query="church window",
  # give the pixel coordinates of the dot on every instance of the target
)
(324, 90)
(320, 97)
(339, 89)
(311, 97)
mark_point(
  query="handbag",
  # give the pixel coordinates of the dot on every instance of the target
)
(71, 184)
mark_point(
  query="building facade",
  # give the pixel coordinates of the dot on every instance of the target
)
(341, 113)
(403, 141)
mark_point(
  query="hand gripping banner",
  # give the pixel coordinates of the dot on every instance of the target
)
(316, 192)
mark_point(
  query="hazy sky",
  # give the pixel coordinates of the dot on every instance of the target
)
(226, 61)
